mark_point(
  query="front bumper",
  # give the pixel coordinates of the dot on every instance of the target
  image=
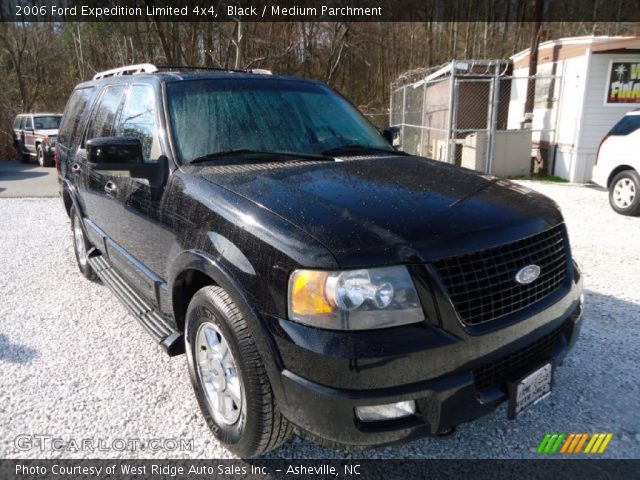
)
(327, 374)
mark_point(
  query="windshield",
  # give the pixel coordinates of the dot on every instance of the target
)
(49, 122)
(224, 115)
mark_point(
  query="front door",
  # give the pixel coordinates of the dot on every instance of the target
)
(28, 137)
(140, 231)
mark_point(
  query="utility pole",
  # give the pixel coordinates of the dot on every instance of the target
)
(538, 9)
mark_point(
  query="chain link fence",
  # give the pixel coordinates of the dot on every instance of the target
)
(472, 113)
(422, 110)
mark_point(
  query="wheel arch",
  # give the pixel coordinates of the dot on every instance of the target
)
(67, 201)
(70, 198)
(183, 288)
(616, 171)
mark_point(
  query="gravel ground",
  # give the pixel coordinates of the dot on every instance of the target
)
(75, 365)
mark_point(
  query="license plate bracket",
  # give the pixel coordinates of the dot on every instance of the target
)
(529, 389)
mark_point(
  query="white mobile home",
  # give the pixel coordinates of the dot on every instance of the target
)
(591, 82)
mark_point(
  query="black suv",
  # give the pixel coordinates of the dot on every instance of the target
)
(317, 278)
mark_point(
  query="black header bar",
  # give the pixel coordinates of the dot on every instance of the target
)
(352, 469)
(318, 10)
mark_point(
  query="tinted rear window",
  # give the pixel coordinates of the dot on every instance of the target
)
(628, 124)
(73, 113)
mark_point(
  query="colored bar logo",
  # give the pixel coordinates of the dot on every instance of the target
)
(574, 443)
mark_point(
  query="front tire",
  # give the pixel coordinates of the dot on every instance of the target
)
(43, 161)
(624, 193)
(229, 378)
(81, 246)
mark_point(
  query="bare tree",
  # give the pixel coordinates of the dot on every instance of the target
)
(21, 44)
(359, 59)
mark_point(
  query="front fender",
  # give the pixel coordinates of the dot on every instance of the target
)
(206, 264)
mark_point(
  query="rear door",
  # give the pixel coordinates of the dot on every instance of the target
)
(101, 187)
(72, 165)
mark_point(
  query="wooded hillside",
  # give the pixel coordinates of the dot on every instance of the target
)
(42, 62)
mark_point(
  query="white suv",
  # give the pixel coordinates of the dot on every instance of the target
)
(618, 163)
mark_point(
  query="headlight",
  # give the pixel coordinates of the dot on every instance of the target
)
(354, 299)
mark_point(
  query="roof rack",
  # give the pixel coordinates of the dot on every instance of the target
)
(257, 71)
(189, 67)
(128, 70)
(150, 68)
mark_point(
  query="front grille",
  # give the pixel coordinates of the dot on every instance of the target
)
(499, 372)
(482, 285)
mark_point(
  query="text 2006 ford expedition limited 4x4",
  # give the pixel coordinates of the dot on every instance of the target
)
(317, 278)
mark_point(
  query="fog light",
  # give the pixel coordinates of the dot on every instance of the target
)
(375, 413)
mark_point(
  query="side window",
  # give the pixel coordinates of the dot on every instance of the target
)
(628, 124)
(101, 124)
(28, 123)
(73, 114)
(23, 121)
(139, 119)
(16, 122)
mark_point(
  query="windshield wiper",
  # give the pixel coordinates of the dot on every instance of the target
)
(239, 152)
(356, 147)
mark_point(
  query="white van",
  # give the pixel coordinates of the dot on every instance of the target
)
(618, 163)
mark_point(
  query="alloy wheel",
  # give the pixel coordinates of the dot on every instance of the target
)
(218, 374)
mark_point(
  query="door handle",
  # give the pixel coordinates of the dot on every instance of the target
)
(75, 168)
(110, 188)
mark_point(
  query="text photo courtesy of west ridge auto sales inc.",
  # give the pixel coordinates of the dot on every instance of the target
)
(369, 239)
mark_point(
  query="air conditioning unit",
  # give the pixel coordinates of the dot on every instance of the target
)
(511, 152)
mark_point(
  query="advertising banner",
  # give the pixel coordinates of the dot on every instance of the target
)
(624, 83)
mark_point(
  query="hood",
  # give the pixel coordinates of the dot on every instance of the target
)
(390, 209)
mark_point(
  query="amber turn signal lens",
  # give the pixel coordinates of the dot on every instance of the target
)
(308, 293)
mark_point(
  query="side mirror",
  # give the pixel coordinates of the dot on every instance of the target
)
(392, 134)
(114, 151)
(125, 154)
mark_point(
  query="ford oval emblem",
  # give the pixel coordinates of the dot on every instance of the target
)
(528, 274)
